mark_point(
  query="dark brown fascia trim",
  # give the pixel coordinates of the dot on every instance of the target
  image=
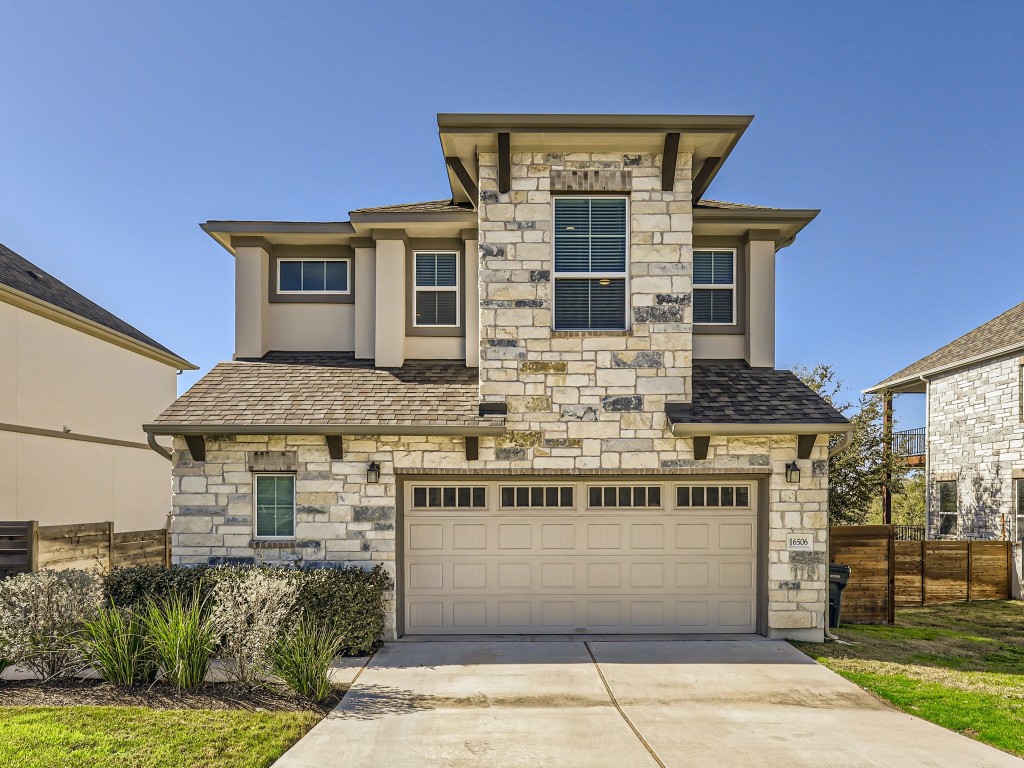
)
(589, 123)
(39, 432)
(504, 163)
(456, 166)
(689, 429)
(668, 162)
(707, 172)
(413, 217)
(323, 429)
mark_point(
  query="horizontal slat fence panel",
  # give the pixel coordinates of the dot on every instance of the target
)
(26, 546)
(918, 572)
(865, 548)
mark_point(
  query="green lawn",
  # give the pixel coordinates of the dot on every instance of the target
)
(959, 665)
(136, 737)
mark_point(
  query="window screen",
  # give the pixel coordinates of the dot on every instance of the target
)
(590, 263)
(714, 287)
(436, 288)
(275, 506)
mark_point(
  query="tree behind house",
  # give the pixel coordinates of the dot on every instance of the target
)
(856, 474)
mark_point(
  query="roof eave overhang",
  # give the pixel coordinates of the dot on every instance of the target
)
(456, 217)
(918, 380)
(471, 430)
(486, 127)
(788, 222)
(224, 231)
(30, 303)
(688, 429)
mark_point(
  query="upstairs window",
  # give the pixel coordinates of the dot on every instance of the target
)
(436, 289)
(310, 276)
(590, 263)
(714, 287)
(947, 507)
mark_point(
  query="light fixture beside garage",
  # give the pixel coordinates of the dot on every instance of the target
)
(373, 472)
(792, 472)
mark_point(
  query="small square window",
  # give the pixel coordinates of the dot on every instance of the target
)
(275, 506)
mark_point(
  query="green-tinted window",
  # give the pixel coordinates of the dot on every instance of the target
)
(275, 506)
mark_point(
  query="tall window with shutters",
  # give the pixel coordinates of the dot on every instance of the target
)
(714, 287)
(436, 289)
(591, 236)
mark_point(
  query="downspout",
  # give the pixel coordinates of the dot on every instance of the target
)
(151, 439)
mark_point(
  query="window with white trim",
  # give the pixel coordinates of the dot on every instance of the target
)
(591, 235)
(274, 506)
(327, 276)
(436, 289)
(714, 287)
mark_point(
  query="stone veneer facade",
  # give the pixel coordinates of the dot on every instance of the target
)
(578, 404)
(976, 437)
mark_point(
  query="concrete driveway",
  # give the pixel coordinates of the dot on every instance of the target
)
(622, 704)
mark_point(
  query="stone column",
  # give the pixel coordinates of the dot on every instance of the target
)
(365, 298)
(472, 297)
(760, 248)
(252, 286)
(389, 323)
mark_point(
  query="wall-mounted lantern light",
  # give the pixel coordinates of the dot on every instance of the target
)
(373, 472)
(792, 472)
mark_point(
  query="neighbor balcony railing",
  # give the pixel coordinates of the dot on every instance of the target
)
(909, 442)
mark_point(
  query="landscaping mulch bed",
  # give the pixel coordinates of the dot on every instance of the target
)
(217, 696)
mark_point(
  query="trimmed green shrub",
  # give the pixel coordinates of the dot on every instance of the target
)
(41, 615)
(250, 608)
(302, 657)
(116, 645)
(134, 586)
(182, 638)
(349, 602)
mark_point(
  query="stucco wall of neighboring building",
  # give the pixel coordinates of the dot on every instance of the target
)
(976, 437)
(56, 378)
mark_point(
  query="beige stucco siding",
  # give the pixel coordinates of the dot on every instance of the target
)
(319, 327)
(56, 378)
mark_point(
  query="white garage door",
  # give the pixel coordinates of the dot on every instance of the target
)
(568, 557)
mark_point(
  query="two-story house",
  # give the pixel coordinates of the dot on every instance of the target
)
(76, 385)
(973, 444)
(548, 403)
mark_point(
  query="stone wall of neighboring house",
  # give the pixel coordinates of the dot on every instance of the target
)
(342, 519)
(585, 400)
(976, 437)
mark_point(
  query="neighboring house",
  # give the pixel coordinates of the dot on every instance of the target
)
(548, 404)
(76, 386)
(973, 443)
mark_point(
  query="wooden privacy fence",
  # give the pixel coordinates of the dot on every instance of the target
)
(886, 573)
(26, 546)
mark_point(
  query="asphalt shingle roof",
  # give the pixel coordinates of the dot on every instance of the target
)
(998, 335)
(330, 388)
(723, 205)
(430, 206)
(21, 274)
(731, 392)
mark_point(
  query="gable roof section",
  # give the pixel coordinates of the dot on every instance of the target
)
(731, 397)
(329, 393)
(21, 275)
(999, 336)
(430, 206)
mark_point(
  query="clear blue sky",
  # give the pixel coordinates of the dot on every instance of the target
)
(124, 125)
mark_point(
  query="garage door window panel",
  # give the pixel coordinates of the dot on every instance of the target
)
(537, 496)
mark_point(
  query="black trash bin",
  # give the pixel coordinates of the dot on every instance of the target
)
(838, 577)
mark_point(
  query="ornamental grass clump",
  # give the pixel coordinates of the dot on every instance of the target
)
(302, 657)
(41, 616)
(182, 639)
(117, 646)
(250, 608)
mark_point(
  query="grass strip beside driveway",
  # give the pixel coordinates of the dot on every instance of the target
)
(959, 665)
(138, 737)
